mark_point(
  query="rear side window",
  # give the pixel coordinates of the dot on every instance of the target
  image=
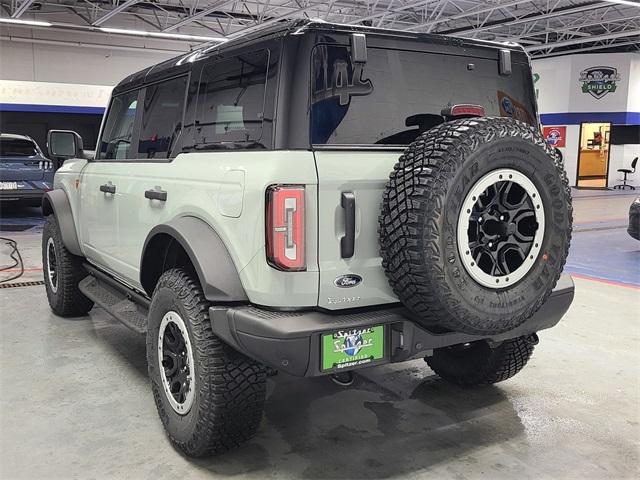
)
(118, 128)
(161, 122)
(17, 147)
(231, 101)
(398, 94)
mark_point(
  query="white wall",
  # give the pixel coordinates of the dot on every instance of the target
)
(570, 153)
(88, 58)
(66, 64)
(50, 67)
(560, 93)
(633, 104)
(552, 85)
(622, 155)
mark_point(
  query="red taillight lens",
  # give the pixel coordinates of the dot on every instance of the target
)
(465, 110)
(285, 227)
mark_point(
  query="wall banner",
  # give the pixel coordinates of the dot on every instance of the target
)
(555, 136)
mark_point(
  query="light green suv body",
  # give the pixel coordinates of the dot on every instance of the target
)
(223, 190)
(227, 191)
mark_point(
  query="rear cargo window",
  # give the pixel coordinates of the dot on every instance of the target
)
(17, 147)
(398, 94)
(231, 100)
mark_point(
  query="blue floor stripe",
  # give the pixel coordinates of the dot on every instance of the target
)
(609, 254)
(23, 107)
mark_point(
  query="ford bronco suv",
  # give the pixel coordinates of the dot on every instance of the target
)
(313, 199)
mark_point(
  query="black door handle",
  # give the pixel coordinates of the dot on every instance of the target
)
(347, 242)
(156, 194)
(108, 188)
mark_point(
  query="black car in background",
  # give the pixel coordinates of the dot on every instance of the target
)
(25, 173)
(634, 219)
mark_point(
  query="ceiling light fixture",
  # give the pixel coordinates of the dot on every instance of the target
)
(625, 2)
(175, 36)
(18, 21)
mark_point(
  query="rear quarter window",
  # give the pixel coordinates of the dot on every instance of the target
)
(231, 101)
(398, 94)
(162, 113)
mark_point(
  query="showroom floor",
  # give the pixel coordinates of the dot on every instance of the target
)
(75, 400)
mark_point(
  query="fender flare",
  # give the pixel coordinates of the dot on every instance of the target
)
(57, 203)
(214, 266)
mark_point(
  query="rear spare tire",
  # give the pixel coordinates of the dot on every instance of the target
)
(475, 225)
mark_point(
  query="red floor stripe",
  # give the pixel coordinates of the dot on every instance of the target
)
(26, 270)
(604, 280)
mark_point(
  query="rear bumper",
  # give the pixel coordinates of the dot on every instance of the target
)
(290, 341)
(31, 197)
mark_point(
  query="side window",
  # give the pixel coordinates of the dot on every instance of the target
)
(231, 100)
(118, 129)
(161, 122)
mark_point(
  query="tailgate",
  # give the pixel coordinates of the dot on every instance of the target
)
(364, 174)
(12, 170)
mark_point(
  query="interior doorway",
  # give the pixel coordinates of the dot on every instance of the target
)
(593, 155)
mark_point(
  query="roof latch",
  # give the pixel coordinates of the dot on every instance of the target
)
(505, 62)
(358, 48)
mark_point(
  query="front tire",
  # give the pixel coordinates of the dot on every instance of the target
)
(210, 397)
(62, 274)
(479, 363)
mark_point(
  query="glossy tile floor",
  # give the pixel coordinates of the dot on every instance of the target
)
(75, 402)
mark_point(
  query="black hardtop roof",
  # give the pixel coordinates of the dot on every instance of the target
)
(184, 62)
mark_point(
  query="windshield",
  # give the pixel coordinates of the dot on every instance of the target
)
(398, 94)
(17, 147)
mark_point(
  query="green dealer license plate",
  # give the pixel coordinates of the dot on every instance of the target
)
(352, 348)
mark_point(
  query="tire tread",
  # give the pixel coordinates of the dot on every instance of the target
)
(232, 387)
(68, 301)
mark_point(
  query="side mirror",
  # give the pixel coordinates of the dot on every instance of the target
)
(64, 144)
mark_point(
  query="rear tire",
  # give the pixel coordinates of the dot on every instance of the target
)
(62, 274)
(477, 363)
(222, 401)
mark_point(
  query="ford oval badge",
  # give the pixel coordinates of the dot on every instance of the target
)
(347, 281)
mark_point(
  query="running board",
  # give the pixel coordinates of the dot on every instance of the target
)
(116, 301)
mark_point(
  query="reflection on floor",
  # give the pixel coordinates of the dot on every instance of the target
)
(600, 246)
(593, 183)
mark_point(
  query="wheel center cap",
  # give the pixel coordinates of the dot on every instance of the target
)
(498, 229)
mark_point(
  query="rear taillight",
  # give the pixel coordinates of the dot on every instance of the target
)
(285, 227)
(464, 110)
